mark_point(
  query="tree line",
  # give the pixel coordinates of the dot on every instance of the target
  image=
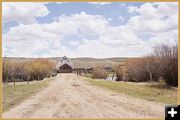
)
(161, 64)
(36, 69)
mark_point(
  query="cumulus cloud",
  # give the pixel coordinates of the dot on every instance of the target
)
(23, 12)
(39, 37)
(153, 18)
(160, 20)
(88, 35)
(79, 24)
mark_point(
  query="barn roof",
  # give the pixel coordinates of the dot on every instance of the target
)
(63, 61)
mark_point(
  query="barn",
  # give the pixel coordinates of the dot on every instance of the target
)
(65, 65)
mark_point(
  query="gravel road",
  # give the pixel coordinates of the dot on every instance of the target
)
(68, 96)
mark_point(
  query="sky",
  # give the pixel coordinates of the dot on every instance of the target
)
(87, 29)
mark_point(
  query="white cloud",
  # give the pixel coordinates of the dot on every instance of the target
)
(99, 3)
(153, 17)
(61, 2)
(78, 24)
(74, 43)
(160, 20)
(23, 12)
(97, 37)
(26, 40)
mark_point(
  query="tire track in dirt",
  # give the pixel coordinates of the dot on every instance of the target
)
(68, 96)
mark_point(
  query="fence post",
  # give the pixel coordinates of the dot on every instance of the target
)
(113, 76)
(28, 80)
(13, 80)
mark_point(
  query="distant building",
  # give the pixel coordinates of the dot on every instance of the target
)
(65, 65)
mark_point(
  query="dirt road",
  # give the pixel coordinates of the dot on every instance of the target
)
(68, 96)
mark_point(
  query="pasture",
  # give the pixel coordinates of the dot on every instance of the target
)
(149, 91)
(13, 95)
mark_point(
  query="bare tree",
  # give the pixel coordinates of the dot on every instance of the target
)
(168, 63)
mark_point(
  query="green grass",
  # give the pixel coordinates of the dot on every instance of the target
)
(110, 74)
(13, 95)
(155, 93)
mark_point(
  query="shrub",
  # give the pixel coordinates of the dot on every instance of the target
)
(39, 69)
(163, 62)
(119, 73)
(36, 69)
(6, 69)
(99, 73)
(134, 70)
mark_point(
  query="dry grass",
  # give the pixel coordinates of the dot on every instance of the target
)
(13, 95)
(153, 92)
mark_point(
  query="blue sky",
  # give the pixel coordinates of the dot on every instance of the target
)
(82, 29)
(113, 11)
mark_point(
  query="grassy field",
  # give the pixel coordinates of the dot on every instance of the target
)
(13, 95)
(156, 93)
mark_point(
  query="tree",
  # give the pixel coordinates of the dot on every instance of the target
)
(168, 62)
(151, 65)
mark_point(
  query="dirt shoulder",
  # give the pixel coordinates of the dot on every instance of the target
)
(68, 96)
